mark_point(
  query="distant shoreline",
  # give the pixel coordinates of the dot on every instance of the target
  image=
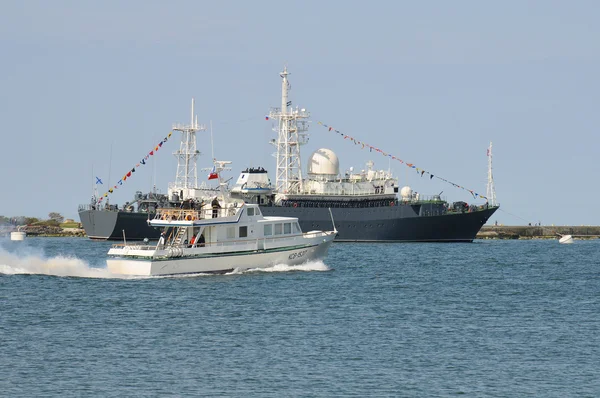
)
(486, 232)
(537, 232)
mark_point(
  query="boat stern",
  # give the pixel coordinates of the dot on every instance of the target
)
(131, 260)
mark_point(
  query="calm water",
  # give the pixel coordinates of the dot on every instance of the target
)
(492, 318)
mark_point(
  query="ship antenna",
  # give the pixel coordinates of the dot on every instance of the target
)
(186, 178)
(212, 144)
(291, 133)
(109, 167)
(491, 189)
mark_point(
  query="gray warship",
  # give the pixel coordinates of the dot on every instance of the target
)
(366, 206)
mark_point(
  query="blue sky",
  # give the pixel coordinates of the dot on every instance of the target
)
(430, 82)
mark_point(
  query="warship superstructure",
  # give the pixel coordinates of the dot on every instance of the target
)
(367, 205)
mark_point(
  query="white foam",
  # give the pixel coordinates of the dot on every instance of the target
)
(34, 263)
(310, 266)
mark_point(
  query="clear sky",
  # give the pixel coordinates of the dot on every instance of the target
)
(88, 88)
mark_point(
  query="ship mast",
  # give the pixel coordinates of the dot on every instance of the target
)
(187, 174)
(491, 189)
(291, 133)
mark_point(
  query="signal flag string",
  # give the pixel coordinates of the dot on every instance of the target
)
(140, 163)
(410, 165)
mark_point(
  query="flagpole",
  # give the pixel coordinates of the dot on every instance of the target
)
(109, 166)
(212, 144)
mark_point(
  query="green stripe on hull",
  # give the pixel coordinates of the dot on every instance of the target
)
(203, 256)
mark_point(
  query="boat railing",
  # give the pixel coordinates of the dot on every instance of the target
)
(177, 214)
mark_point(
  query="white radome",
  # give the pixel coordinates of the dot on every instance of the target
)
(406, 192)
(323, 162)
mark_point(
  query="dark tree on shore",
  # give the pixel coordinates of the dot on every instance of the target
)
(56, 217)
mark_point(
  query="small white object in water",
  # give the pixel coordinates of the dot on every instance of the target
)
(566, 239)
(17, 235)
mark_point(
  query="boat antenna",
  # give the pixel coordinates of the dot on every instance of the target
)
(491, 189)
(333, 222)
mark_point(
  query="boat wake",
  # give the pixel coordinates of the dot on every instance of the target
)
(33, 264)
(309, 266)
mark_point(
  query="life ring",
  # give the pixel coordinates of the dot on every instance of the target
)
(295, 204)
(189, 217)
(392, 203)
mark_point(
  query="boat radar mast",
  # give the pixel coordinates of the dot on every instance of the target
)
(187, 174)
(491, 189)
(291, 133)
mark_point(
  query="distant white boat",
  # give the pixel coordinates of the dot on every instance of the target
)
(219, 240)
(566, 239)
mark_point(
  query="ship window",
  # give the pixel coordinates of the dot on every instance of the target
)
(243, 232)
(268, 229)
(257, 212)
(277, 229)
(230, 232)
(296, 228)
(250, 211)
(287, 228)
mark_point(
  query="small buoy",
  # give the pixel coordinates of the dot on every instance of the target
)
(566, 239)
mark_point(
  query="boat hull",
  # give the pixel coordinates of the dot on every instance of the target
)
(378, 224)
(219, 263)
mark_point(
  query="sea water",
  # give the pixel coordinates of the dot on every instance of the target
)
(491, 318)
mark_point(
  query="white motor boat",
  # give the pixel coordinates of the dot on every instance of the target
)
(566, 239)
(219, 240)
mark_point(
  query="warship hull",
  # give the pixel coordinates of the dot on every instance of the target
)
(381, 224)
(109, 225)
(388, 224)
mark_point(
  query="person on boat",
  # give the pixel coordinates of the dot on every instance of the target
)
(201, 240)
(161, 240)
(192, 241)
(215, 206)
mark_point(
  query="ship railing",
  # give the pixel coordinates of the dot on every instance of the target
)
(102, 207)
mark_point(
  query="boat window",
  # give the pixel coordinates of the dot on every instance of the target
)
(250, 211)
(243, 232)
(257, 212)
(297, 229)
(230, 232)
(287, 228)
(268, 229)
(277, 229)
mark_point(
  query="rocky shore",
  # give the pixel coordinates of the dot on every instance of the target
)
(537, 232)
(48, 231)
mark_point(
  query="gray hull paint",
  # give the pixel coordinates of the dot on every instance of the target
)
(389, 224)
(378, 224)
(109, 225)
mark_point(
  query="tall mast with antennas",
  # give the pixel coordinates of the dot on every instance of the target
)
(491, 189)
(291, 133)
(187, 175)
